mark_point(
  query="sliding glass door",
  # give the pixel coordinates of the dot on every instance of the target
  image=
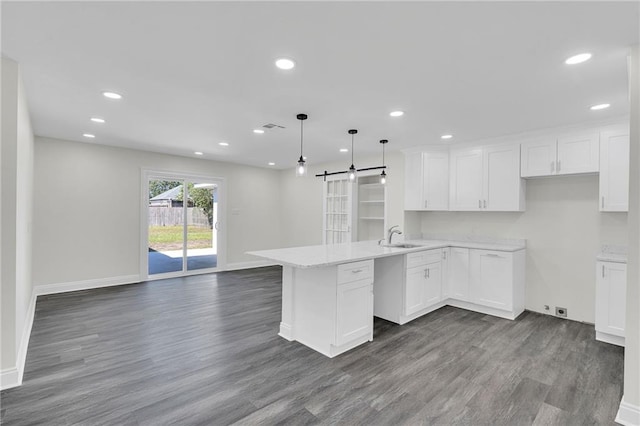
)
(183, 223)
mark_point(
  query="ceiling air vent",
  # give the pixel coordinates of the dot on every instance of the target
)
(272, 126)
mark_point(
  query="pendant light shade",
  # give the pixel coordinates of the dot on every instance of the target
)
(301, 168)
(383, 175)
(352, 169)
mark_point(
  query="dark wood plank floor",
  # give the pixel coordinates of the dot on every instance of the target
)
(204, 350)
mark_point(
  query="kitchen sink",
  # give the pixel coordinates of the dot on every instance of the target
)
(403, 245)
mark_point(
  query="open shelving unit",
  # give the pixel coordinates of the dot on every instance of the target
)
(371, 208)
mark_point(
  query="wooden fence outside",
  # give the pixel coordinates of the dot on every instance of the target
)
(173, 216)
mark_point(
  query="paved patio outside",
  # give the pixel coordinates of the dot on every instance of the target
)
(161, 262)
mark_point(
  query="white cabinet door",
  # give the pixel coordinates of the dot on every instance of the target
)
(413, 181)
(614, 171)
(433, 284)
(578, 154)
(466, 180)
(538, 158)
(502, 186)
(354, 311)
(458, 281)
(435, 183)
(491, 278)
(414, 290)
(611, 290)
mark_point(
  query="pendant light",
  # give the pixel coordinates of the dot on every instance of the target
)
(352, 169)
(383, 175)
(301, 168)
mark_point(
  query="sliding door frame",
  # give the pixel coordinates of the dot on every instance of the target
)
(221, 227)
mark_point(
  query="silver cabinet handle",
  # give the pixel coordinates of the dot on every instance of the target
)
(479, 204)
(356, 271)
(553, 166)
(492, 255)
(485, 204)
(444, 255)
(602, 271)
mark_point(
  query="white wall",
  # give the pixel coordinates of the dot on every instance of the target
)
(87, 208)
(17, 194)
(564, 232)
(302, 197)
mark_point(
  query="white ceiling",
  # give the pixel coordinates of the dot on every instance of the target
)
(196, 74)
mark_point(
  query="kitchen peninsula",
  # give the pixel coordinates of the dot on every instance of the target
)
(330, 293)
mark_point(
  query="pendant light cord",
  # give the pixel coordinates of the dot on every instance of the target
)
(301, 134)
(352, 149)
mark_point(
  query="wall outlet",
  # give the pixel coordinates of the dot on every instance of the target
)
(561, 312)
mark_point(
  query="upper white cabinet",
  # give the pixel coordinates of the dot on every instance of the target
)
(426, 180)
(565, 155)
(611, 291)
(614, 170)
(486, 179)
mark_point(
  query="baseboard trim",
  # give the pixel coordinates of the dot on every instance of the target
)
(248, 265)
(9, 378)
(43, 289)
(609, 338)
(628, 414)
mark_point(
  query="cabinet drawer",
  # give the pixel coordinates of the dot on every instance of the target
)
(356, 271)
(423, 257)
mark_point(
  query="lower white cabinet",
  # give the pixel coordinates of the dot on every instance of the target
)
(333, 306)
(491, 276)
(354, 311)
(458, 282)
(611, 290)
(408, 286)
(487, 281)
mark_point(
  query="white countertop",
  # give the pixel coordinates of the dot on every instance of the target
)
(616, 254)
(332, 254)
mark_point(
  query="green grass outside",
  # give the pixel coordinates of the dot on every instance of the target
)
(170, 237)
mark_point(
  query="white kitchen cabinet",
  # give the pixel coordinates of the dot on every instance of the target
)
(409, 286)
(458, 282)
(422, 287)
(354, 311)
(427, 180)
(614, 170)
(491, 279)
(465, 179)
(611, 290)
(332, 306)
(538, 158)
(564, 155)
(486, 179)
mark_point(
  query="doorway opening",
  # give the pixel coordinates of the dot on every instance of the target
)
(182, 225)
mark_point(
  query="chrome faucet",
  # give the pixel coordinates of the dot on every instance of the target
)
(392, 231)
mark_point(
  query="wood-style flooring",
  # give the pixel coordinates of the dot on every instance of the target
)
(204, 350)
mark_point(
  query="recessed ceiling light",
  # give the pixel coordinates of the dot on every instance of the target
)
(223, 144)
(272, 163)
(88, 135)
(198, 153)
(97, 120)
(578, 59)
(285, 64)
(396, 113)
(344, 150)
(600, 106)
(258, 131)
(112, 95)
(446, 136)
